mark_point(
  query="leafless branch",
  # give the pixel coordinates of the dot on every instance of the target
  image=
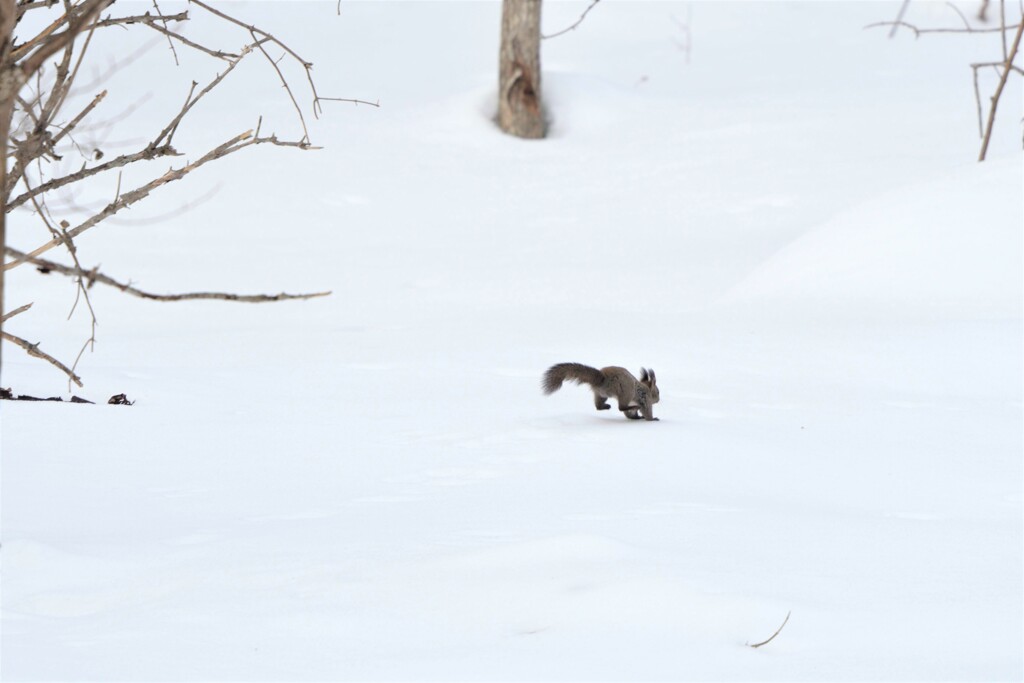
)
(40, 136)
(146, 18)
(1002, 24)
(686, 45)
(170, 42)
(777, 632)
(579, 21)
(70, 126)
(918, 32)
(255, 31)
(1002, 68)
(93, 276)
(80, 291)
(16, 311)
(49, 43)
(159, 24)
(967, 24)
(33, 350)
(123, 160)
(233, 145)
(899, 18)
(168, 131)
(284, 84)
(977, 101)
(1011, 55)
(348, 99)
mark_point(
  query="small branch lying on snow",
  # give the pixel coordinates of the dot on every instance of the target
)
(776, 632)
(94, 276)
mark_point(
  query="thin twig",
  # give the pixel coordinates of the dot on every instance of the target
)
(349, 99)
(146, 18)
(1002, 24)
(233, 145)
(93, 276)
(123, 160)
(169, 41)
(10, 314)
(977, 101)
(921, 31)
(308, 66)
(33, 350)
(779, 630)
(284, 83)
(967, 24)
(899, 18)
(80, 290)
(575, 24)
(999, 90)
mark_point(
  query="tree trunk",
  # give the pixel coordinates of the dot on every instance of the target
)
(9, 87)
(519, 104)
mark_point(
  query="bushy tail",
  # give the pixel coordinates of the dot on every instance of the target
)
(581, 374)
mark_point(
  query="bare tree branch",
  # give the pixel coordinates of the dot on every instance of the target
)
(1011, 55)
(349, 99)
(575, 24)
(33, 350)
(38, 77)
(1002, 68)
(170, 42)
(77, 21)
(147, 19)
(233, 145)
(899, 18)
(16, 311)
(284, 83)
(81, 291)
(307, 65)
(918, 32)
(123, 160)
(777, 632)
(967, 24)
(93, 276)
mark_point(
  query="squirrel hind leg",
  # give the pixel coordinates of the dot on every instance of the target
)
(600, 402)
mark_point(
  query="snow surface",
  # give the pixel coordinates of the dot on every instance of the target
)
(789, 227)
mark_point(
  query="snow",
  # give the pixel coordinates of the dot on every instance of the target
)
(370, 486)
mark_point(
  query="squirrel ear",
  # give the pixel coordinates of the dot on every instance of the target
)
(643, 375)
(650, 374)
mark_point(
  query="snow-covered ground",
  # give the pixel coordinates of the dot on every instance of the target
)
(788, 226)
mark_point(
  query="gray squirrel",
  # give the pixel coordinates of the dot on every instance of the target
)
(634, 396)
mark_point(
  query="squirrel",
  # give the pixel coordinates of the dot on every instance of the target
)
(634, 396)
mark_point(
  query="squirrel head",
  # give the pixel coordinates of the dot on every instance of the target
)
(648, 379)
